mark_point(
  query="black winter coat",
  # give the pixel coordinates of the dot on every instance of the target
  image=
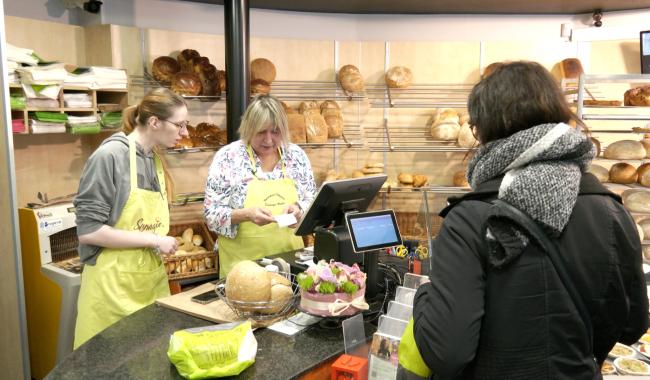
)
(476, 322)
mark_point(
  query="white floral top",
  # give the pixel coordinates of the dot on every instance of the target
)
(230, 173)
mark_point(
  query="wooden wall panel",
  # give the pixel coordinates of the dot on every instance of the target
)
(546, 52)
(615, 57)
(168, 42)
(297, 59)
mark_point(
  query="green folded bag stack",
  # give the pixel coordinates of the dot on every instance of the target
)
(17, 102)
(51, 117)
(111, 119)
(85, 129)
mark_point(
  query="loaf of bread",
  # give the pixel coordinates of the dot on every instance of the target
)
(466, 138)
(186, 59)
(186, 83)
(646, 145)
(601, 173)
(597, 145)
(248, 282)
(209, 134)
(637, 200)
(208, 76)
(639, 96)
(281, 293)
(399, 77)
(645, 227)
(309, 107)
(184, 143)
(445, 125)
(221, 78)
(625, 150)
(262, 68)
(463, 118)
(592, 102)
(571, 68)
(489, 69)
(297, 128)
(329, 105)
(350, 78)
(420, 180)
(460, 179)
(334, 123)
(164, 68)
(623, 173)
(405, 179)
(316, 128)
(260, 86)
(287, 109)
(644, 175)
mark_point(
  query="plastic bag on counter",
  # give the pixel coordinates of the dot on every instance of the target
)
(213, 351)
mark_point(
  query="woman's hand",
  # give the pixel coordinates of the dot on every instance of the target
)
(260, 216)
(165, 244)
(296, 211)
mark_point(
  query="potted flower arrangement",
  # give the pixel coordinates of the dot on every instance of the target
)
(332, 289)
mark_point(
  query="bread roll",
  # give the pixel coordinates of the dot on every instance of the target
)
(248, 282)
(262, 68)
(372, 170)
(350, 79)
(186, 83)
(405, 179)
(639, 96)
(466, 137)
(260, 86)
(460, 179)
(646, 145)
(445, 124)
(597, 145)
(637, 200)
(623, 173)
(601, 173)
(420, 180)
(164, 68)
(316, 128)
(349, 69)
(186, 59)
(277, 278)
(399, 77)
(625, 150)
(644, 175)
(489, 69)
(297, 128)
(571, 68)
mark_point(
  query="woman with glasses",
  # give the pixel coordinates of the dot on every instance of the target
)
(254, 179)
(123, 216)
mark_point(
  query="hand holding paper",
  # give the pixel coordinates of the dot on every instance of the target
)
(285, 220)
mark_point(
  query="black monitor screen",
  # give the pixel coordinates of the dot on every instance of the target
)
(336, 198)
(373, 230)
(645, 52)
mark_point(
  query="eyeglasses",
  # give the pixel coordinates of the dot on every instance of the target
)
(181, 125)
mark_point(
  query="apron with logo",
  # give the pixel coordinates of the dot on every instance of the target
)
(125, 280)
(252, 241)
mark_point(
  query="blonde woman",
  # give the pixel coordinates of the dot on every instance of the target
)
(123, 217)
(253, 179)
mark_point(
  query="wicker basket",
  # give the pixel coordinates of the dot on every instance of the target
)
(192, 264)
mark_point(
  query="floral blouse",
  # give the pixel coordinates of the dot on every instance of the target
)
(230, 173)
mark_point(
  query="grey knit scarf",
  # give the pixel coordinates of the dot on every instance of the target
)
(542, 167)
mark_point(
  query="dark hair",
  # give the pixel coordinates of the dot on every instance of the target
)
(516, 96)
(159, 102)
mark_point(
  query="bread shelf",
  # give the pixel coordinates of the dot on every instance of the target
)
(388, 138)
(192, 150)
(425, 189)
(419, 96)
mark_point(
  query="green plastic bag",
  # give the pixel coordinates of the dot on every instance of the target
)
(213, 351)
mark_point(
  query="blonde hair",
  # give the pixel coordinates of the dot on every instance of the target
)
(264, 110)
(159, 102)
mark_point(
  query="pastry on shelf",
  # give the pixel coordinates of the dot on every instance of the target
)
(405, 179)
(625, 150)
(373, 168)
(221, 79)
(207, 73)
(601, 102)
(646, 145)
(186, 59)
(164, 68)
(637, 200)
(420, 180)
(184, 143)
(287, 109)
(350, 78)
(262, 68)
(399, 77)
(186, 83)
(309, 107)
(639, 96)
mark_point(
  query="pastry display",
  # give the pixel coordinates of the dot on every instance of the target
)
(625, 150)
(399, 77)
(350, 78)
(262, 68)
(332, 289)
(164, 68)
(207, 73)
(186, 83)
(639, 96)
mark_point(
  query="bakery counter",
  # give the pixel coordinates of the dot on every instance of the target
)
(136, 348)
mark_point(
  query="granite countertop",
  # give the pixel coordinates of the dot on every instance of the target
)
(136, 348)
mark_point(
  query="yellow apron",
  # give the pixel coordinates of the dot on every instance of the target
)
(252, 241)
(125, 280)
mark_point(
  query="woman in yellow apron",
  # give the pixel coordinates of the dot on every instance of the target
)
(254, 179)
(123, 220)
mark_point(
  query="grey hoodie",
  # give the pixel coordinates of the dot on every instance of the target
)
(105, 185)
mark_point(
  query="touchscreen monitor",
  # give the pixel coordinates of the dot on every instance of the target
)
(373, 230)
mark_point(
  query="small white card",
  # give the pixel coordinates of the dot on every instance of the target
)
(295, 324)
(285, 220)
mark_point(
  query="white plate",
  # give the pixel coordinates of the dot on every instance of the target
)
(630, 351)
(618, 364)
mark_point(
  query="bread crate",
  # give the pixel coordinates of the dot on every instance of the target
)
(186, 263)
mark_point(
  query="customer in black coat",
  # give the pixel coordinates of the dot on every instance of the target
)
(495, 307)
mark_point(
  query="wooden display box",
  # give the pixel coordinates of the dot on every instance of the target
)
(187, 265)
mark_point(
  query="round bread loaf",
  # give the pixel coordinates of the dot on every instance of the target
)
(334, 125)
(466, 138)
(445, 115)
(625, 150)
(645, 227)
(260, 86)
(297, 128)
(601, 173)
(646, 145)
(639, 96)
(248, 282)
(405, 179)
(399, 77)
(164, 68)
(316, 128)
(637, 200)
(309, 106)
(639, 229)
(420, 180)
(281, 294)
(351, 81)
(349, 69)
(597, 145)
(463, 118)
(644, 175)
(623, 173)
(262, 68)
(445, 131)
(329, 104)
(460, 179)
(186, 83)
